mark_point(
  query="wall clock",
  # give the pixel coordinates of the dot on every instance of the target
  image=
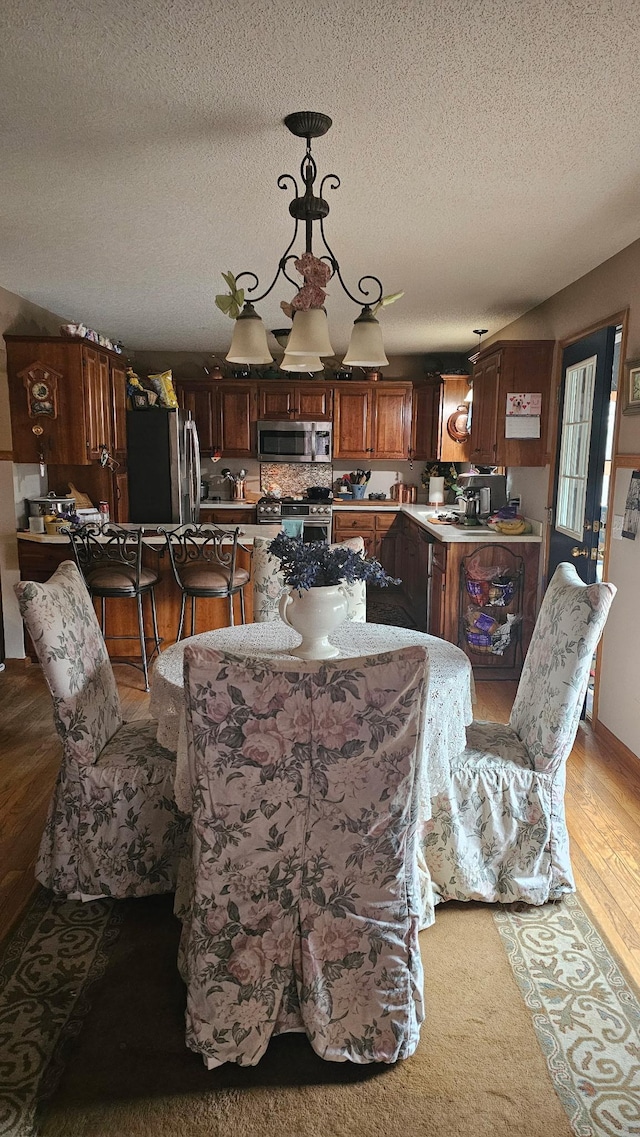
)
(41, 385)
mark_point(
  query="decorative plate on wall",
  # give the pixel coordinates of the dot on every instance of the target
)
(457, 423)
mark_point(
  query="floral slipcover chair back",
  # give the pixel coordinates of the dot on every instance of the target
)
(500, 834)
(304, 905)
(113, 828)
(268, 583)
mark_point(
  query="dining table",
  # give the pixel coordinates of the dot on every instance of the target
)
(448, 710)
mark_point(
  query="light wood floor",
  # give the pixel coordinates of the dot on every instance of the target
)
(603, 803)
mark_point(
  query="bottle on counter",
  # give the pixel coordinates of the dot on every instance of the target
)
(103, 507)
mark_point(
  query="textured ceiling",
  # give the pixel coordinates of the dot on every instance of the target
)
(487, 151)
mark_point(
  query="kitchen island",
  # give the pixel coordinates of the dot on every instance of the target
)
(40, 554)
(442, 566)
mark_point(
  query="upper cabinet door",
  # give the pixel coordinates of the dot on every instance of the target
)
(199, 397)
(276, 401)
(119, 412)
(425, 421)
(484, 418)
(510, 367)
(314, 402)
(352, 404)
(97, 392)
(307, 402)
(237, 404)
(392, 421)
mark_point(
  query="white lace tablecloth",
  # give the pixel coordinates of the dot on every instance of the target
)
(450, 689)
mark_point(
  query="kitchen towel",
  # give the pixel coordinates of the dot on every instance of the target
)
(292, 526)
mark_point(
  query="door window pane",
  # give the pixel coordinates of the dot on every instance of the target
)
(579, 387)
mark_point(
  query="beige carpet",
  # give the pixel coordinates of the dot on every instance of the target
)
(478, 1072)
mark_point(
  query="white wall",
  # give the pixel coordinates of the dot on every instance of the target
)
(17, 316)
(610, 288)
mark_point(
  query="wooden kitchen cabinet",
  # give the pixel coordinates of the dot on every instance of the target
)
(224, 414)
(509, 367)
(413, 569)
(391, 420)
(425, 420)
(237, 403)
(434, 402)
(388, 531)
(352, 421)
(98, 401)
(305, 402)
(437, 590)
(199, 397)
(381, 532)
(349, 523)
(119, 412)
(449, 600)
(226, 517)
(372, 420)
(86, 392)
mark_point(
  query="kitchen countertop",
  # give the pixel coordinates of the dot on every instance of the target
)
(450, 534)
(247, 534)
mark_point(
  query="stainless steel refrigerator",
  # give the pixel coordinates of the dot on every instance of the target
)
(163, 460)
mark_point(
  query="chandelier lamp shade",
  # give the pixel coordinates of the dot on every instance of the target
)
(308, 340)
(302, 363)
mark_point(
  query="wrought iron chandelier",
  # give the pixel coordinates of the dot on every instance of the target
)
(308, 339)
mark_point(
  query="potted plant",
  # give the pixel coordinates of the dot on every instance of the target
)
(315, 604)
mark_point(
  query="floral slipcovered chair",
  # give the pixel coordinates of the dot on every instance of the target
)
(113, 828)
(500, 834)
(268, 584)
(304, 905)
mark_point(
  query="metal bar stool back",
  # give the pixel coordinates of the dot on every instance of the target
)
(203, 559)
(110, 560)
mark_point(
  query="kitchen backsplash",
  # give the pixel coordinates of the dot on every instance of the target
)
(293, 478)
(385, 474)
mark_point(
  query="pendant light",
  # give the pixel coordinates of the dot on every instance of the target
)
(310, 332)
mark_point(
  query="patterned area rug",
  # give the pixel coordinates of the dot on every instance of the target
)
(387, 608)
(128, 1072)
(584, 1011)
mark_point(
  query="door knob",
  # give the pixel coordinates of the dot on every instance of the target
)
(578, 552)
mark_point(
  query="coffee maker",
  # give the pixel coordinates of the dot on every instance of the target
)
(489, 491)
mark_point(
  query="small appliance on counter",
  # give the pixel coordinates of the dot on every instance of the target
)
(52, 503)
(492, 491)
(471, 515)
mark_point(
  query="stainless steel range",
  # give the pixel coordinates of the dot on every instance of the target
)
(314, 516)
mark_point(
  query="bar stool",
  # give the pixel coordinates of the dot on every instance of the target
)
(203, 559)
(110, 561)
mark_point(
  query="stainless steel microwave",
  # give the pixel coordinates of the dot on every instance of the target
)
(294, 441)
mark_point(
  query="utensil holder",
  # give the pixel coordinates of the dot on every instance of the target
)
(358, 491)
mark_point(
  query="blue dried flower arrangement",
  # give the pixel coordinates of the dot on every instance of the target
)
(317, 565)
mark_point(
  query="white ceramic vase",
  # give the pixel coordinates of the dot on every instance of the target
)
(314, 613)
